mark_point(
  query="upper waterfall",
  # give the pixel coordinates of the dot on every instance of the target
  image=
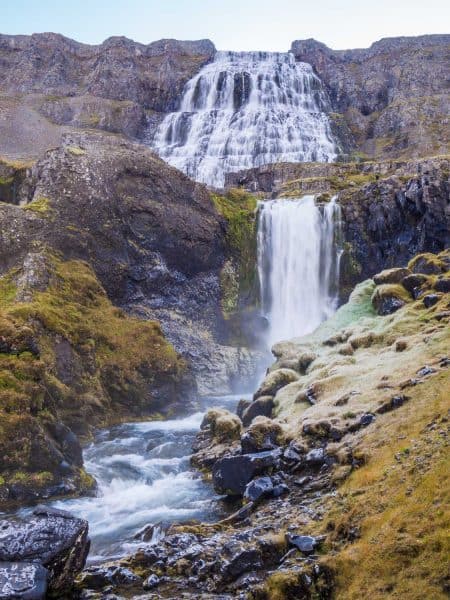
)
(243, 110)
(299, 248)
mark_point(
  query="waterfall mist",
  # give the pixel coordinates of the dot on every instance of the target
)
(243, 110)
(299, 248)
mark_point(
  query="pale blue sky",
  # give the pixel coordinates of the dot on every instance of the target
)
(230, 24)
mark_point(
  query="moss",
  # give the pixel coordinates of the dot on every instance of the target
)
(238, 276)
(40, 206)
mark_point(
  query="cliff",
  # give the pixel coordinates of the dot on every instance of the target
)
(392, 96)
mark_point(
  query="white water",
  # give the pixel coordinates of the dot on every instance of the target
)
(298, 264)
(144, 476)
(244, 110)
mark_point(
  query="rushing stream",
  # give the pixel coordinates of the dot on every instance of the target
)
(144, 477)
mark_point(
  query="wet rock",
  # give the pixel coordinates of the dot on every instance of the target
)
(275, 381)
(23, 581)
(263, 434)
(391, 276)
(53, 538)
(231, 474)
(305, 543)
(430, 300)
(263, 406)
(258, 488)
(151, 582)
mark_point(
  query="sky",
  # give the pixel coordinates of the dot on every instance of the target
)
(230, 24)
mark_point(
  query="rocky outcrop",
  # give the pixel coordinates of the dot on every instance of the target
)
(151, 76)
(43, 552)
(392, 95)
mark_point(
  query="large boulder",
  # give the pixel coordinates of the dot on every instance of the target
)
(274, 381)
(231, 474)
(388, 298)
(54, 539)
(263, 406)
(23, 581)
(263, 434)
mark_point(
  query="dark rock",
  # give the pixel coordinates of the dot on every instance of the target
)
(242, 406)
(280, 490)
(426, 265)
(263, 406)
(97, 577)
(392, 404)
(305, 543)
(387, 304)
(442, 285)
(263, 434)
(291, 454)
(366, 419)
(243, 561)
(231, 474)
(258, 488)
(412, 283)
(430, 300)
(316, 456)
(23, 581)
(151, 582)
(53, 538)
(426, 370)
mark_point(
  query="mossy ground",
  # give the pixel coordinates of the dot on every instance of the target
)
(69, 355)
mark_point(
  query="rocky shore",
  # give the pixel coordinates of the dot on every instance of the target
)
(335, 434)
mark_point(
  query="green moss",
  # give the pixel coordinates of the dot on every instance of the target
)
(239, 275)
(40, 205)
(6, 180)
(7, 290)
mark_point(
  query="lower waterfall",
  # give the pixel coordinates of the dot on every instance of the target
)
(299, 248)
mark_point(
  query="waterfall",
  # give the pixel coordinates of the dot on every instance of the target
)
(243, 110)
(299, 248)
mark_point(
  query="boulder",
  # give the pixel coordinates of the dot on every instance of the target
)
(52, 538)
(263, 434)
(23, 581)
(413, 282)
(97, 577)
(222, 424)
(275, 381)
(244, 560)
(305, 543)
(263, 406)
(430, 300)
(260, 487)
(428, 264)
(442, 285)
(242, 406)
(388, 298)
(391, 276)
(231, 474)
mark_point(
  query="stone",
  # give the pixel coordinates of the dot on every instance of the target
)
(366, 419)
(231, 474)
(242, 406)
(281, 489)
(263, 406)
(98, 577)
(263, 434)
(304, 543)
(430, 300)
(222, 424)
(426, 370)
(274, 381)
(151, 582)
(258, 488)
(442, 285)
(23, 581)
(392, 404)
(413, 282)
(387, 299)
(53, 538)
(243, 561)
(316, 456)
(427, 264)
(391, 276)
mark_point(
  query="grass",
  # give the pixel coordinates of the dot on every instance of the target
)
(40, 206)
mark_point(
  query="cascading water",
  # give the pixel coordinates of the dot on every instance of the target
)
(299, 248)
(244, 110)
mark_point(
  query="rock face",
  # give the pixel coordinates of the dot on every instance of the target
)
(392, 95)
(50, 547)
(118, 69)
